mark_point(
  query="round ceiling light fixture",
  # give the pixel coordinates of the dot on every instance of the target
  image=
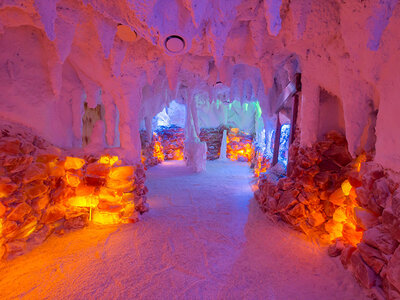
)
(174, 44)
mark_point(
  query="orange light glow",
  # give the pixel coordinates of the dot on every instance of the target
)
(75, 163)
(105, 217)
(343, 224)
(359, 160)
(239, 147)
(108, 160)
(261, 166)
(158, 148)
(84, 201)
(346, 187)
(178, 154)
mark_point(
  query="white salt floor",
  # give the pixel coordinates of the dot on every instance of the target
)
(204, 238)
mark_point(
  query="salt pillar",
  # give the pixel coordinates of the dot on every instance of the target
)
(222, 155)
(195, 150)
(309, 114)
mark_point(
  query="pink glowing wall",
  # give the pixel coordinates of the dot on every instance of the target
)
(56, 54)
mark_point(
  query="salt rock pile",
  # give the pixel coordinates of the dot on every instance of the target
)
(150, 155)
(43, 190)
(213, 138)
(172, 142)
(239, 145)
(260, 163)
(351, 205)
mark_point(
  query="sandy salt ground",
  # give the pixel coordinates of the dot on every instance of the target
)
(204, 238)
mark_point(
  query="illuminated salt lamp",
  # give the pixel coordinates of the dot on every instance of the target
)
(125, 33)
(346, 187)
(74, 163)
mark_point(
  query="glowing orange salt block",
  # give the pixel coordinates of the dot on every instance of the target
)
(120, 185)
(83, 201)
(122, 173)
(55, 169)
(75, 163)
(351, 234)
(346, 187)
(109, 195)
(108, 160)
(158, 150)
(105, 217)
(235, 130)
(73, 180)
(340, 215)
(335, 229)
(359, 160)
(178, 155)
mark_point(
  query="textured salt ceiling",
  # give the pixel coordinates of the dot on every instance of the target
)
(253, 47)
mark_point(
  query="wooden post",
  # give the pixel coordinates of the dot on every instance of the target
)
(277, 140)
(293, 121)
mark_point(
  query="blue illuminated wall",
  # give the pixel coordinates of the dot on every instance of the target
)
(173, 114)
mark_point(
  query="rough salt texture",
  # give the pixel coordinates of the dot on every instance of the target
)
(194, 243)
(43, 190)
(361, 227)
(57, 54)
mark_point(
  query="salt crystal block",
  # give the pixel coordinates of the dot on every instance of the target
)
(98, 169)
(121, 173)
(74, 163)
(84, 190)
(120, 185)
(35, 189)
(105, 218)
(53, 214)
(337, 197)
(19, 212)
(83, 201)
(2, 211)
(109, 194)
(365, 218)
(6, 189)
(36, 171)
(10, 146)
(72, 179)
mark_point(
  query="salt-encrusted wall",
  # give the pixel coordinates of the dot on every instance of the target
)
(26, 95)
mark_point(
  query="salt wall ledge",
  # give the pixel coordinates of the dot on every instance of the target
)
(350, 205)
(45, 190)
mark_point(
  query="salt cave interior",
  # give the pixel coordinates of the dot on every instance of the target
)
(187, 149)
